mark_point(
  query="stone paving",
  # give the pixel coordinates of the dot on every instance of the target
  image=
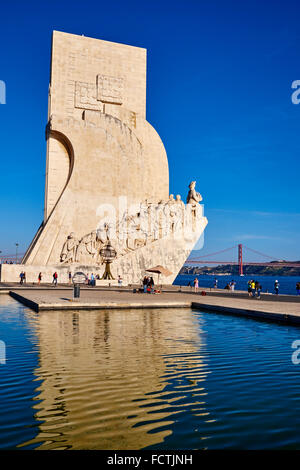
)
(55, 299)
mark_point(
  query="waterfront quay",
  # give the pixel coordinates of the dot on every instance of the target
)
(281, 308)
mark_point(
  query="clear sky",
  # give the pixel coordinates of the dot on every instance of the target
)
(219, 78)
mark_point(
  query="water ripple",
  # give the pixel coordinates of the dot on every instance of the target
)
(166, 379)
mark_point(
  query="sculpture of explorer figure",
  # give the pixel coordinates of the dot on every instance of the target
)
(193, 197)
(68, 252)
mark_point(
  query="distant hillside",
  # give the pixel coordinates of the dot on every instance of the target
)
(234, 270)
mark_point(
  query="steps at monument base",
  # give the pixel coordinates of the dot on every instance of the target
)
(109, 283)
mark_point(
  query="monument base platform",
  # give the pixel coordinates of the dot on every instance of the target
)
(109, 283)
(11, 272)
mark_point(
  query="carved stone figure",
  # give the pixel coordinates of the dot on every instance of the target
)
(193, 197)
(144, 219)
(68, 252)
(88, 249)
(179, 209)
(105, 232)
(160, 226)
(179, 201)
(169, 216)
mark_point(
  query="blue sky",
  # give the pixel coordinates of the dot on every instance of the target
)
(218, 92)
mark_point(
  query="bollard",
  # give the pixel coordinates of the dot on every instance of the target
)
(76, 292)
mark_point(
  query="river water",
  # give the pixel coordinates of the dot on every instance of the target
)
(146, 379)
(287, 284)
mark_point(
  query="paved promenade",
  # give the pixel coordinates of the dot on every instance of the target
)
(273, 308)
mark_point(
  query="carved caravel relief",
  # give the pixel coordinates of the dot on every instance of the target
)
(165, 220)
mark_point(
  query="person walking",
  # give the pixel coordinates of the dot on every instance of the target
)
(120, 281)
(24, 277)
(216, 283)
(70, 277)
(39, 278)
(196, 284)
(276, 287)
(258, 290)
(145, 283)
(253, 288)
(298, 288)
(249, 288)
(93, 280)
(55, 279)
(150, 285)
(21, 277)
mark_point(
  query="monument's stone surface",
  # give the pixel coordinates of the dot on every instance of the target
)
(107, 177)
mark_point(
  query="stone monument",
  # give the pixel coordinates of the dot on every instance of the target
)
(107, 176)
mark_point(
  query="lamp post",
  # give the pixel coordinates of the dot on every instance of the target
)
(108, 254)
(17, 244)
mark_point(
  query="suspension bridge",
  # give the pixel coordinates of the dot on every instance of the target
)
(11, 258)
(239, 251)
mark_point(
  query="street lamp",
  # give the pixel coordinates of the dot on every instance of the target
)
(17, 244)
(108, 254)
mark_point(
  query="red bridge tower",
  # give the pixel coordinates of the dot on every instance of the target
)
(240, 258)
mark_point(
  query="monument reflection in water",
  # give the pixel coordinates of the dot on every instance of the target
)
(116, 380)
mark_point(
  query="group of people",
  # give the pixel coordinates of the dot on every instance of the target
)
(148, 285)
(230, 286)
(254, 288)
(54, 278)
(91, 280)
(22, 277)
(195, 283)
